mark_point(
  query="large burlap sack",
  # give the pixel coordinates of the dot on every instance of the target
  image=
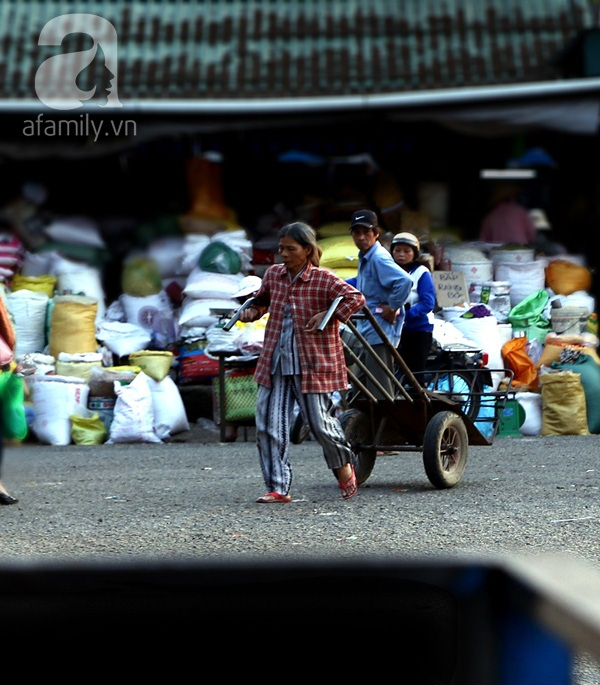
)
(339, 252)
(589, 373)
(38, 284)
(72, 325)
(563, 404)
(78, 365)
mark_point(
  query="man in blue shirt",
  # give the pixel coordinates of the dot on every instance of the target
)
(386, 287)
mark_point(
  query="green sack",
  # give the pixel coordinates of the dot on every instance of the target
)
(530, 312)
(219, 258)
(88, 430)
(12, 396)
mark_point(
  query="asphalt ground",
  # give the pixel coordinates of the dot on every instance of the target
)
(191, 501)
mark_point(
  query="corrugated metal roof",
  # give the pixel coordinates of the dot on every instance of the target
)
(254, 49)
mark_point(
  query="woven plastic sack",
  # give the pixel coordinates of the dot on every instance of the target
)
(72, 325)
(339, 252)
(154, 363)
(38, 284)
(563, 404)
(133, 418)
(55, 400)
(589, 373)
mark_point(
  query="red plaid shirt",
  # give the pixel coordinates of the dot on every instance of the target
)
(321, 353)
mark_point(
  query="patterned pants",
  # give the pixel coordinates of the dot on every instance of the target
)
(274, 413)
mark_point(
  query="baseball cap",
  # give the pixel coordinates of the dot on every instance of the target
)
(364, 217)
(248, 286)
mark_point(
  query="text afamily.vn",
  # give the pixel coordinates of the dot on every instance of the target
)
(82, 126)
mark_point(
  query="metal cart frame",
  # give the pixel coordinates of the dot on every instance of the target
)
(424, 414)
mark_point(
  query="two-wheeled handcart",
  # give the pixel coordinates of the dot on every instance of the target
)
(426, 412)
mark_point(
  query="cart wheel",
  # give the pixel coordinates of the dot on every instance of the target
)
(468, 389)
(299, 430)
(445, 449)
(358, 432)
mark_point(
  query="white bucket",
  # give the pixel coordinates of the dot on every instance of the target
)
(569, 320)
(525, 278)
(511, 256)
(474, 271)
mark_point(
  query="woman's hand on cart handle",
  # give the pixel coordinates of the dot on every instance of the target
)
(249, 314)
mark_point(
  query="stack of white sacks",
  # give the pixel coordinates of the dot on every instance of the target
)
(64, 328)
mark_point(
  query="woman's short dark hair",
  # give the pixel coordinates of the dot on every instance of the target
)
(306, 236)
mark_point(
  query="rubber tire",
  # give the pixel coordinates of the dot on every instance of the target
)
(358, 431)
(445, 449)
(299, 430)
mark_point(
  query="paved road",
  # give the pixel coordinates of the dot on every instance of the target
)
(194, 500)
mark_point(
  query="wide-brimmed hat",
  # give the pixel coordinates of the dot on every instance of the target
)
(248, 286)
(540, 220)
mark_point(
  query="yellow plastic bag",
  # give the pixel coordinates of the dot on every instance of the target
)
(88, 430)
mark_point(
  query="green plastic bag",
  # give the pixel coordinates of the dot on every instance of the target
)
(88, 430)
(530, 311)
(219, 258)
(528, 316)
(12, 397)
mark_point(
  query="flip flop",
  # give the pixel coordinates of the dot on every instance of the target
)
(272, 497)
(350, 487)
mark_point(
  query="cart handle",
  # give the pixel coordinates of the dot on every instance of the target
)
(235, 318)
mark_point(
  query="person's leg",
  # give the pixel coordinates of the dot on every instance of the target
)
(378, 373)
(5, 498)
(414, 349)
(328, 432)
(274, 408)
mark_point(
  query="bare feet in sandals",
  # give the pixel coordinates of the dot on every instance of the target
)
(347, 481)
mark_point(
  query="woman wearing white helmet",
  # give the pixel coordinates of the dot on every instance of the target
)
(417, 332)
